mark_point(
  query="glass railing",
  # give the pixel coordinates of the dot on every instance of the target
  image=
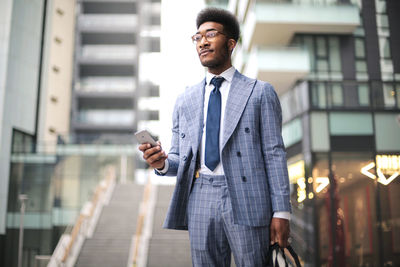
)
(58, 189)
(106, 117)
(106, 84)
(109, 52)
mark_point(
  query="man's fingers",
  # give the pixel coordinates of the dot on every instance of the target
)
(143, 147)
(156, 157)
(279, 231)
(151, 151)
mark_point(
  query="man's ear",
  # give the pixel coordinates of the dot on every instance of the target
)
(231, 44)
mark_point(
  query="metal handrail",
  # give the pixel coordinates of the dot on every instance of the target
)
(84, 224)
(82, 217)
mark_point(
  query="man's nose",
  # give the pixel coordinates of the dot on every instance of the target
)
(203, 41)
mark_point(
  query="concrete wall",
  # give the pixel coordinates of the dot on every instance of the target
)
(20, 43)
(54, 114)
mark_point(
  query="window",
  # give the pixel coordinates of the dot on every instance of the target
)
(336, 95)
(384, 47)
(361, 64)
(350, 123)
(389, 95)
(398, 95)
(360, 47)
(363, 95)
(22, 142)
(334, 54)
(318, 95)
(324, 52)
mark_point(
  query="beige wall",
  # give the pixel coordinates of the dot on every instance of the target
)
(54, 116)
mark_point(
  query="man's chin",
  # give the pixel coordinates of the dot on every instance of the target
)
(207, 63)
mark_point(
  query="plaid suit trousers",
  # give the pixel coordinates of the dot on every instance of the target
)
(214, 235)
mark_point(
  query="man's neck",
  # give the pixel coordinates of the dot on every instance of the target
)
(220, 69)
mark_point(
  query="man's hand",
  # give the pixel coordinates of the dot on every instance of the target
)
(154, 156)
(279, 231)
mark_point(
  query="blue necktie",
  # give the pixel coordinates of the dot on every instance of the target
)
(212, 125)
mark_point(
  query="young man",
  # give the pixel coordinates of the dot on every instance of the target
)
(232, 189)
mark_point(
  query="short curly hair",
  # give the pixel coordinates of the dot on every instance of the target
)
(222, 16)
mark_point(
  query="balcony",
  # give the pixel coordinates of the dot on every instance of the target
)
(108, 23)
(274, 23)
(280, 67)
(111, 85)
(123, 54)
(103, 119)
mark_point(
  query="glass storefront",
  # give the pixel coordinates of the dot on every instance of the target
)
(57, 186)
(346, 206)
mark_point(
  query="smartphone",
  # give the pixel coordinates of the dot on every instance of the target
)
(145, 137)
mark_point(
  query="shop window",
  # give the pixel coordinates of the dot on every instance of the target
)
(389, 199)
(320, 171)
(356, 239)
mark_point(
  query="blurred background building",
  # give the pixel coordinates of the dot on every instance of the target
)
(78, 78)
(336, 67)
(111, 38)
(71, 97)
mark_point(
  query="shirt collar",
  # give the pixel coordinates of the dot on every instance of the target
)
(227, 74)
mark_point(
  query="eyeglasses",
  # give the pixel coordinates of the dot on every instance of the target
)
(210, 35)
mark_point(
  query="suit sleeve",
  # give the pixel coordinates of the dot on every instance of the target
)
(173, 154)
(274, 150)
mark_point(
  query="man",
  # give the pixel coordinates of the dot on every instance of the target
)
(232, 189)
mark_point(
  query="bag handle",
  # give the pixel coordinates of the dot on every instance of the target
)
(275, 247)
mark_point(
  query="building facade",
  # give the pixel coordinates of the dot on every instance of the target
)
(111, 38)
(335, 65)
(36, 47)
(70, 100)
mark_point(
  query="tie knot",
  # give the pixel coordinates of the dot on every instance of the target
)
(217, 81)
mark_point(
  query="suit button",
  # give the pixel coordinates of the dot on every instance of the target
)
(247, 129)
(211, 180)
(182, 135)
(244, 179)
(184, 158)
(238, 154)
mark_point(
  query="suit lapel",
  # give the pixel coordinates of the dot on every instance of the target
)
(193, 112)
(241, 88)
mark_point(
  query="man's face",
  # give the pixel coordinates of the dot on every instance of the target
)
(214, 53)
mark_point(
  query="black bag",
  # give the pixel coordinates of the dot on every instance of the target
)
(278, 257)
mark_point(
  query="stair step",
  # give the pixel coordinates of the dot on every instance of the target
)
(112, 237)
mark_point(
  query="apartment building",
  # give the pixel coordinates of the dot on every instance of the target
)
(112, 40)
(335, 65)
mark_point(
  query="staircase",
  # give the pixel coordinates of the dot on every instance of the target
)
(167, 248)
(111, 241)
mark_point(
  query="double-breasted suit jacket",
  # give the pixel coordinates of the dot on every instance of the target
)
(252, 152)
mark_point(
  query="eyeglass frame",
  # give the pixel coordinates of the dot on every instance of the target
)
(205, 35)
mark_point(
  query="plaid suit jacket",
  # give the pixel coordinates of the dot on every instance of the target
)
(253, 154)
